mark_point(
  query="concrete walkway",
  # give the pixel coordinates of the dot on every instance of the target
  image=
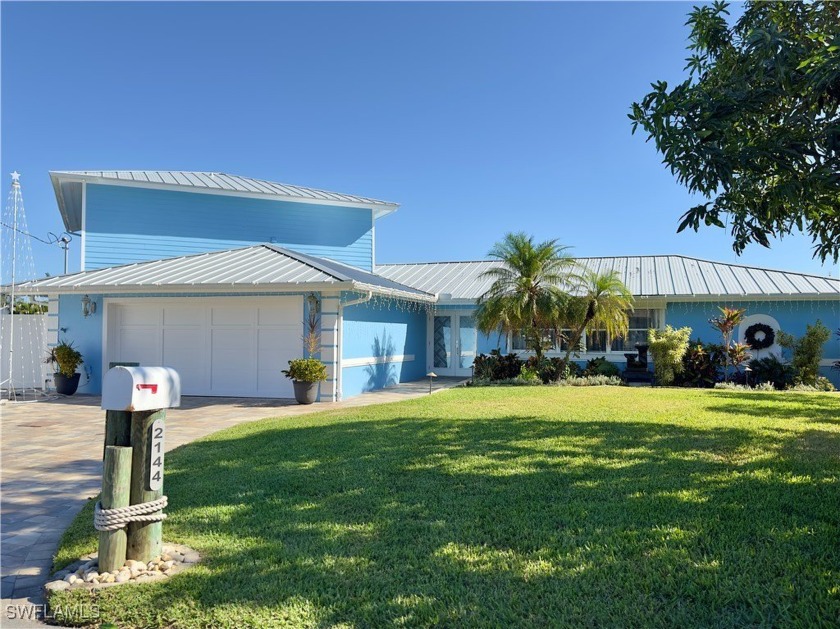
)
(51, 464)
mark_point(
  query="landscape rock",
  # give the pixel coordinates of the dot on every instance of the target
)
(55, 586)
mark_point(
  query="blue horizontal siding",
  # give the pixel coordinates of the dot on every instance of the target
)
(126, 224)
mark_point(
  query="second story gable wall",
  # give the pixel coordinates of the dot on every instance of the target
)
(125, 224)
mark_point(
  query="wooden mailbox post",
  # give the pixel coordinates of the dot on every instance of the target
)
(130, 518)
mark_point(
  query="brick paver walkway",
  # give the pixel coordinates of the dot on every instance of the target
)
(52, 463)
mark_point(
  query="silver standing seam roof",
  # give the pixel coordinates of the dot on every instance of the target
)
(68, 189)
(646, 276)
(258, 267)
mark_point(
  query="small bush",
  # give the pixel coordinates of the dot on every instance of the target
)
(306, 370)
(600, 367)
(731, 386)
(509, 382)
(530, 374)
(770, 370)
(807, 351)
(699, 368)
(496, 366)
(591, 381)
(823, 384)
(765, 386)
(667, 348)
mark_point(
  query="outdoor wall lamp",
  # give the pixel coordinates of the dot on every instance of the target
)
(88, 306)
(313, 303)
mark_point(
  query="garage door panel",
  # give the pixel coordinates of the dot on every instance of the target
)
(233, 367)
(183, 350)
(232, 315)
(140, 315)
(140, 344)
(183, 315)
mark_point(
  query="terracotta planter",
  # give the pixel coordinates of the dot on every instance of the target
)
(65, 385)
(305, 392)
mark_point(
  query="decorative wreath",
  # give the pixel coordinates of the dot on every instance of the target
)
(768, 338)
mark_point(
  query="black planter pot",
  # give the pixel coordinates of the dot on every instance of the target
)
(65, 385)
(305, 392)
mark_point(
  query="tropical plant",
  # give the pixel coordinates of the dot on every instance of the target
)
(64, 358)
(527, 291)
(306, 370)
(754, 126)
(737, 354)
(729, 319)
(699, 367)
(836, 363)
(312, 338)
(667, 348)
(772, 370)
(601, 302)
(806, 351)
(600, 366)
(496, 366)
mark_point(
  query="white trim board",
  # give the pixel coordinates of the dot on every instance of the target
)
(377, 360)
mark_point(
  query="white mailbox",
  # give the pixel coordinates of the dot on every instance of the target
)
(140, 389)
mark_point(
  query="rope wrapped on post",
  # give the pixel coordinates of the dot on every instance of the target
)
(113, 519)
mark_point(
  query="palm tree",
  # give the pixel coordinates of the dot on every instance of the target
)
(601, 303)
(527, 292)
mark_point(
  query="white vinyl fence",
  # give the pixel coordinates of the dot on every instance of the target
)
(24, 352)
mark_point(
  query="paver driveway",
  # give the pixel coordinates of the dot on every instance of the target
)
(52, 463)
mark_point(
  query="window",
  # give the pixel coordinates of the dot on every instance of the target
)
(596, 341)
(640, 322)
(518, 341)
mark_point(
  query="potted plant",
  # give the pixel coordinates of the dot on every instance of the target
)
(305, 374)
(65, 359)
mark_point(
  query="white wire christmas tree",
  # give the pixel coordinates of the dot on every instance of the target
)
(22, 337)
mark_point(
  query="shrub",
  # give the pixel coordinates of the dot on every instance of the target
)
(591, 381)
(823, 384)
(600, 367)
(765, 386)
(807, 351)
(529, 374)
(731, 386)
(496, 366)
(509, 382)
(306, 370)
(699, 368)
(65, 358)
(549, 369)
(771, 370)
(667, 348)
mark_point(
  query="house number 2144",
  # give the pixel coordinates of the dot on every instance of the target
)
(156, 456)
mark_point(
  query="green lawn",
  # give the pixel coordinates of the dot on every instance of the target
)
(533, 506)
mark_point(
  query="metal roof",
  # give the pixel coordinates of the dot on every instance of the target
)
(258, 268)
(68, 190)
(645, 276)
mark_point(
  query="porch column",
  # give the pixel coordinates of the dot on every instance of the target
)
(330, 351)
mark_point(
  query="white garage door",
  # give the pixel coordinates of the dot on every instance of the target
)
(230, 346)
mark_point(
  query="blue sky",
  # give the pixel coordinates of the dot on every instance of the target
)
(477, 118)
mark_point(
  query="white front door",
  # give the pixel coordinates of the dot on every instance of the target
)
(220, 346)
(453, 343)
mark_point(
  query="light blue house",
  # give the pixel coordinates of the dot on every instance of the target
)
(216, 275)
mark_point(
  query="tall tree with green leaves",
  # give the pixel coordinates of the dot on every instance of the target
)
(528, 290)
(755, 128)
(601, 301)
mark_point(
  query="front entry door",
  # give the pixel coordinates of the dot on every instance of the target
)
(454, 344)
